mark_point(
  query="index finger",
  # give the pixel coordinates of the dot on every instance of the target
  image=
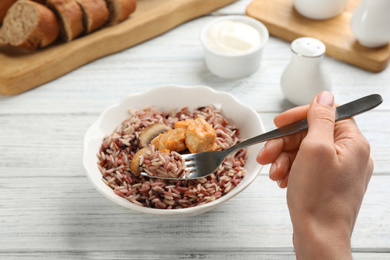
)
(291, 116)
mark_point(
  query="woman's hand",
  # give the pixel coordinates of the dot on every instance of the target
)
(326, 171)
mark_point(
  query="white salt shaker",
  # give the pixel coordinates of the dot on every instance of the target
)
(320, 9)
(370, 23)
(305, 76)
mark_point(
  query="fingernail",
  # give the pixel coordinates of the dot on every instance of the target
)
(325, 98)
(279, 182)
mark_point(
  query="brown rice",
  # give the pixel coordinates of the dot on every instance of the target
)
(118, 149)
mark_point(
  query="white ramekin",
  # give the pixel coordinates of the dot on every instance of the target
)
(232, 66)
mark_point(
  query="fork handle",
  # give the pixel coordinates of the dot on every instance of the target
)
(347, 110)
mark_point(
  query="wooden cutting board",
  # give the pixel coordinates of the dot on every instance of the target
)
(21, 70)
(283, 21)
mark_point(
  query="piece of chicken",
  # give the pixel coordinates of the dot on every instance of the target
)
(183, 124)
(173, 140)
(201, 136)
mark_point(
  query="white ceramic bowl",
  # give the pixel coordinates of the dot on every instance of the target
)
(320, 9)
(167, 98)
(232, 66)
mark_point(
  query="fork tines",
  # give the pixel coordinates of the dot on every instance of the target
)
(189, 162)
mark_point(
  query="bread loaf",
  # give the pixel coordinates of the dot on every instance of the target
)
(120, 10)
(32, 25)
(70, 16)
(95, 14)
(29, 25)
(4, 6)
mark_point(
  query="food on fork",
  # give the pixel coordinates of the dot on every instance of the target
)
(123, 155)
(150, 132)
(38, 28)
(201, 136)
(134, 165)
(173, 140)
(195, 135)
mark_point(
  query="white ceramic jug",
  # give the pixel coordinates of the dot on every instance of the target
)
(305, 76)
(370, 23)
(320, 9)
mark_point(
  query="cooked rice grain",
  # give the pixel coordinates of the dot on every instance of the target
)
(118, 149)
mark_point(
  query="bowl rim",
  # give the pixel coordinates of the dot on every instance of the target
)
(94, 131)
(246, 19)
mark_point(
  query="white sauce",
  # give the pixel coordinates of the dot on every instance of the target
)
(232, 37)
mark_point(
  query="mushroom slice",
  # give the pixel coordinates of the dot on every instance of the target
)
(134, 165)
(151, 132)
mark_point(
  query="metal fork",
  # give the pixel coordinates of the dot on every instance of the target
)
(204, 163)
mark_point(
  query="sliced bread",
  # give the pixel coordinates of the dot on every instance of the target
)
(71, 17)
(29, 25)
(120, 10)
(95, 14)
(4, 6)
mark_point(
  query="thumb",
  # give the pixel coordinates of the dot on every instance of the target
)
(321, 117)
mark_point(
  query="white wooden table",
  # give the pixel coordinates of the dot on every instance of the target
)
(49, 209)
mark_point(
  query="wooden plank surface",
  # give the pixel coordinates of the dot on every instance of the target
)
(283, 21)
(22, 70)
(49, 209)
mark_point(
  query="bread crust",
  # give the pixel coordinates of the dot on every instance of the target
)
(120, 10)
(95, 14)
(71, 17)
(44, 32)
(67, 18)
(4, 6)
